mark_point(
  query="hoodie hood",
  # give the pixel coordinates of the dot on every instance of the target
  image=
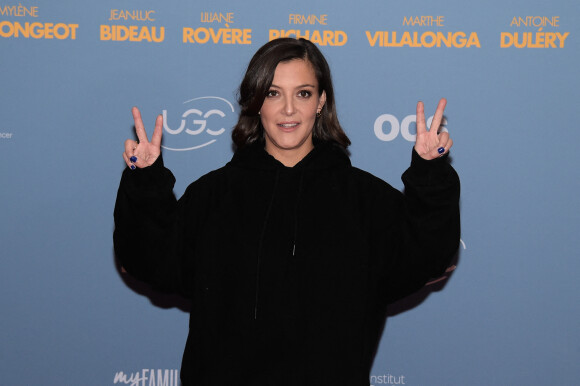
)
(325, 155)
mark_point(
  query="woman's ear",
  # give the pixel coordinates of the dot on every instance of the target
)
(321, 100)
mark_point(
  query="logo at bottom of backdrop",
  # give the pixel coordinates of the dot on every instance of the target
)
(197, 123)
(155, 377)
(387, 379)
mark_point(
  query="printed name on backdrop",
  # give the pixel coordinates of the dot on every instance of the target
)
(321, 37)
(18, 11)
(534, 39)
(217, 35)
(132, 33)
(135, 15)
(423, 39)
(33, 30)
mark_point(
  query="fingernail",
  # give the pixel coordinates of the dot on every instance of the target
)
(441, 150)
(132, 167)
(133, 159)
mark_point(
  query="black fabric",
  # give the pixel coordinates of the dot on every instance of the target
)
(288, 269)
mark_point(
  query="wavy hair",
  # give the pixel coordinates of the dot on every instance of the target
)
(257, 82)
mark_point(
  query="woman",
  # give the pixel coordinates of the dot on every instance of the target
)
(288, 253)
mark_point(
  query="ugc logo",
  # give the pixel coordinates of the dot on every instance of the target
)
(204, 119)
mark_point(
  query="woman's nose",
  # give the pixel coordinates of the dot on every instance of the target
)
(289, 107)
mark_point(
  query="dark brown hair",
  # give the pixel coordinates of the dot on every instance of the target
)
(257, 82)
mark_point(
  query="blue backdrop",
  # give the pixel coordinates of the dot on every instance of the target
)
(70, 71)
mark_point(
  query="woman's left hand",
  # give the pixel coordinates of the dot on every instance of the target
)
(432, 144)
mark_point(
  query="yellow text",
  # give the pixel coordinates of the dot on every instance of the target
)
(307, 19)
(120, 14)
(133, 33)
(423, 39)
(18, 11)
(58, 31)
(212, 17)
(424, 21)
(535, 21)
(322, 38)
(533, 39)
(222, 35)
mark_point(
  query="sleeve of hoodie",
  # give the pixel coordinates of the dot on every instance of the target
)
(424, 237)
(151, 227)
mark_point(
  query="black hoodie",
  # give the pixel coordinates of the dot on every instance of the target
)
(288, 269)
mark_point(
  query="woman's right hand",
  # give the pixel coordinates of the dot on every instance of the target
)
(142, 153)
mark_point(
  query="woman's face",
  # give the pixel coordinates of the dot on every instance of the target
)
(289, 111)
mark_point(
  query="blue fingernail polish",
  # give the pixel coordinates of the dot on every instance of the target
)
(441, 150)
(133, 159)
(132, 167)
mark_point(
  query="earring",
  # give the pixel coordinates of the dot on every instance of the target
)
(318, 114)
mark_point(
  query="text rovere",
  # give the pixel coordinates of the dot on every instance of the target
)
(203, 35)
(216, 33)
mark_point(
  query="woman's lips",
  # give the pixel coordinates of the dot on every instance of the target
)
(288, 126)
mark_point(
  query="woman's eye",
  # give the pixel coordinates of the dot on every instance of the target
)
(271, 93)
(304, 94)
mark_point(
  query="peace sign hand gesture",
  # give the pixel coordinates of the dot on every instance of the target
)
(143, 153)
(431, 144)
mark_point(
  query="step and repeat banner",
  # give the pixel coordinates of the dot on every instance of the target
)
(70, 71)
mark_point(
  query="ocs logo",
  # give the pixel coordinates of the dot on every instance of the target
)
(387, 127)
(203, 120)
